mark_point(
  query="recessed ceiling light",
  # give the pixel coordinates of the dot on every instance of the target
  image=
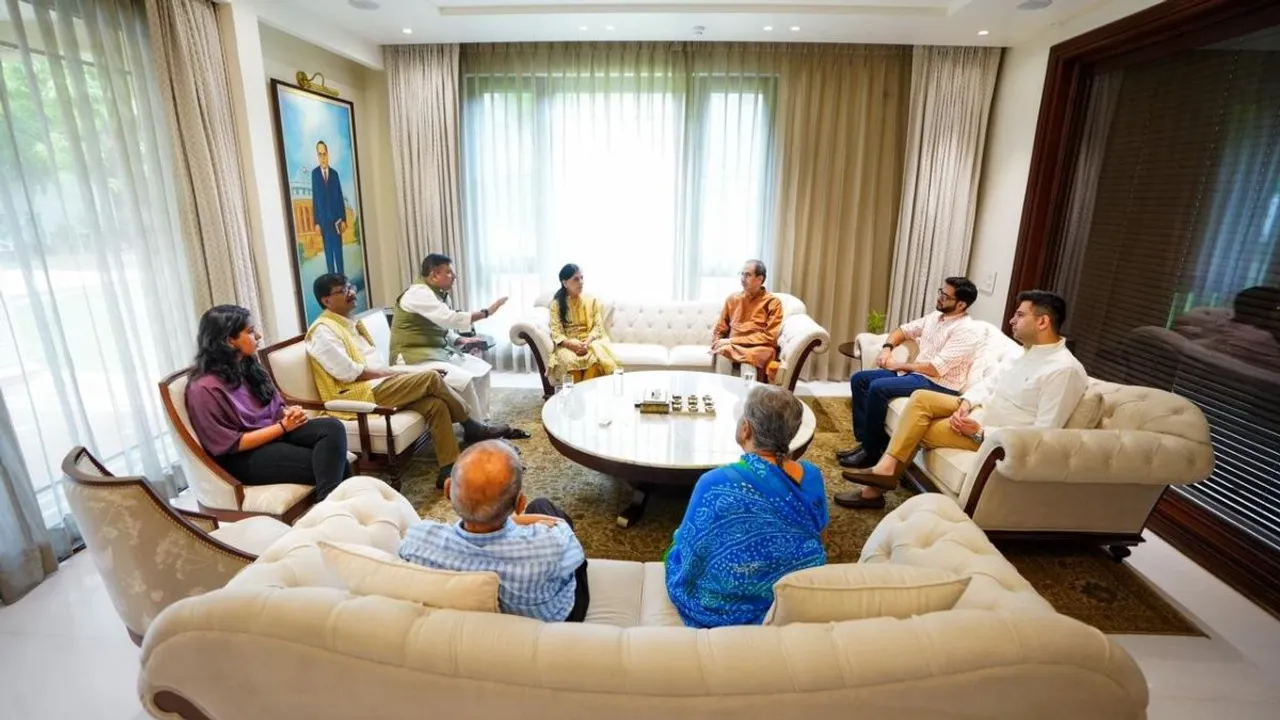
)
(582, 27)
(795, 28)
(407, 31)
(1034, 4)
(608, 27)
(983, 32)
(768, 28)
(363, 4)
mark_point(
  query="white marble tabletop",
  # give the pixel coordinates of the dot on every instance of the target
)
(599, 417)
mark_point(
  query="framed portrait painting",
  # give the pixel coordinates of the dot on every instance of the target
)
(316, 143)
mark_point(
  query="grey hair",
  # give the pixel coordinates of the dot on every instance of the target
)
(758, 268)
(774, 416)
(497, 508)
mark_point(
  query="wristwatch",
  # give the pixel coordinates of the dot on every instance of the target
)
(979, 436)
(890, 346)
(485, 311)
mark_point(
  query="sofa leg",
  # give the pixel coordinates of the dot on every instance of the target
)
(1119, 552)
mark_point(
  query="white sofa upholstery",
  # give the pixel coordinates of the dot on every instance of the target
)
(283, 640)
(1101, 475)
(676, 336)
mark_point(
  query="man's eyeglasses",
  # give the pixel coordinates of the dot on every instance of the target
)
(348, 288)
(942, 292)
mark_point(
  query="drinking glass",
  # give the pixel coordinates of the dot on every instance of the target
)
(748, 374)
(618, 382)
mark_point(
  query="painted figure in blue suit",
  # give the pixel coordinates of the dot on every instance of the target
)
(329, 209)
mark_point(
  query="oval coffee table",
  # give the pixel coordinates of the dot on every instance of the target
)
(598, 425)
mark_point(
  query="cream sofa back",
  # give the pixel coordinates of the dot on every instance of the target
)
(282, 641)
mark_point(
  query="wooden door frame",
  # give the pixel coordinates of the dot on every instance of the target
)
(1159, 31)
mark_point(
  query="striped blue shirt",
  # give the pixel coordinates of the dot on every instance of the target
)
(534, 563)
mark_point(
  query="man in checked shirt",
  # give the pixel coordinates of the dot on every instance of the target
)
(948, 339)
(541, 567)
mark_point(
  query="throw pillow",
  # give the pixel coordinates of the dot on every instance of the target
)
(834, 593)
(1088, 412)
(369, 571)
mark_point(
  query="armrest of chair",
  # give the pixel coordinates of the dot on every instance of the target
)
(351, 406)
(1093, 456)
(801, 336)
(534, 329)
(866, 346)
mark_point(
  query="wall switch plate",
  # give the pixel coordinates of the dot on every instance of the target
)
(987, 284)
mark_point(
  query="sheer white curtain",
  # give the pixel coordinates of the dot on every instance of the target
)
(645, 164)
(95, 294)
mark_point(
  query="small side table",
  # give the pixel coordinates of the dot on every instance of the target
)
(846, 349)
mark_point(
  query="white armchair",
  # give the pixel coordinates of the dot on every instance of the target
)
(1100, 477)
(675, 336)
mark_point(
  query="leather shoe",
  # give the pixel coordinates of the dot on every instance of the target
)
(853, 499)
(847, 451)
(870, 479)
(445, 473)
(858, 460)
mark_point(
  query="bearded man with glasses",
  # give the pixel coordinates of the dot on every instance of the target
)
(948, 339)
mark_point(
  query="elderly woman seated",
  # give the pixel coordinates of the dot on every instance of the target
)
(749, 523)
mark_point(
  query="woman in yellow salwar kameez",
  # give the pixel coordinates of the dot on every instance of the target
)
(578, 333)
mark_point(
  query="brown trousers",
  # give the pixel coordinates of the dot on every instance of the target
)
(426, 394)
(926, 421)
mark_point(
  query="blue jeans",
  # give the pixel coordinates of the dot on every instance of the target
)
(873, 390)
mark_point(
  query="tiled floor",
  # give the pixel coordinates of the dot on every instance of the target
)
(64, 652)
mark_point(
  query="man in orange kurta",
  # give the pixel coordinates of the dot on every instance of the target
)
(750, 322)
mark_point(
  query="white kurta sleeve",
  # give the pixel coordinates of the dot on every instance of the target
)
(327, 349)
(420, 300)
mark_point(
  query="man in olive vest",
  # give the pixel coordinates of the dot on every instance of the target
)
(426, 331)
(347, 366)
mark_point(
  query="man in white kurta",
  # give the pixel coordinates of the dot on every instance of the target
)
(1038, 388)
(426, 331)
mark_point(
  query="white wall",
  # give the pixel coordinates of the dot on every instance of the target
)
(1007, 161)
(283, 56)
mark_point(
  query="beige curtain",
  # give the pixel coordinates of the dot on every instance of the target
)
(951, 93)
(210, 190)
(423, 85)
(842, 116)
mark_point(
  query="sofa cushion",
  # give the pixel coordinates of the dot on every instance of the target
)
(274, 499)
(366, 570)
(655, 604)
(1088, 412)
(948, 467)
(633, 355)
(406, 426)
(835, 593)
(252, 535)
(690, 356)
(616, 591)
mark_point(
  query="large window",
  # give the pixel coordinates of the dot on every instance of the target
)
(95, 300)
(654, 180)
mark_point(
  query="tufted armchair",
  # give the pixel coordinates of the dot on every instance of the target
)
(286, 623)
(149, 554)
(1098, 478)
(676, 336)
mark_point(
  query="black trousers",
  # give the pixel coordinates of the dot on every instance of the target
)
(314, 454)
(581, 595)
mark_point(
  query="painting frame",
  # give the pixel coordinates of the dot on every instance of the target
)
(305, 239)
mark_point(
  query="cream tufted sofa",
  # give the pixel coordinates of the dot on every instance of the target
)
(1101, 476)
(284, 641)
(675, 336)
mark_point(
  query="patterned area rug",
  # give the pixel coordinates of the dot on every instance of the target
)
(1081, 582)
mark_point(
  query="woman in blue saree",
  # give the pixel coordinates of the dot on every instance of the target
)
(749, 523)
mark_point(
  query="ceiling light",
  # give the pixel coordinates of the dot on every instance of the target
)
(363, 4)
(983, 32)
(407, 31)
(768, 28)
(582, 27)
(1034, 4)
(795, 28)
(608, 27)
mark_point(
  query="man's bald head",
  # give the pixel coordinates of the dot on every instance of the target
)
(486, 483)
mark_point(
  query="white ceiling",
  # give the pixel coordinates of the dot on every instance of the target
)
(932, 22)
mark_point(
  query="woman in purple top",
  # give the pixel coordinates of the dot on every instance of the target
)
(243, 423)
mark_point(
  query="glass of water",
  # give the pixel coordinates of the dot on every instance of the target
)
(748, 373)
(567, 384)
(618, 382)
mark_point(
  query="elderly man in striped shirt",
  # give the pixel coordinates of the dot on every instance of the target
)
(948, 339)
(541, 567)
